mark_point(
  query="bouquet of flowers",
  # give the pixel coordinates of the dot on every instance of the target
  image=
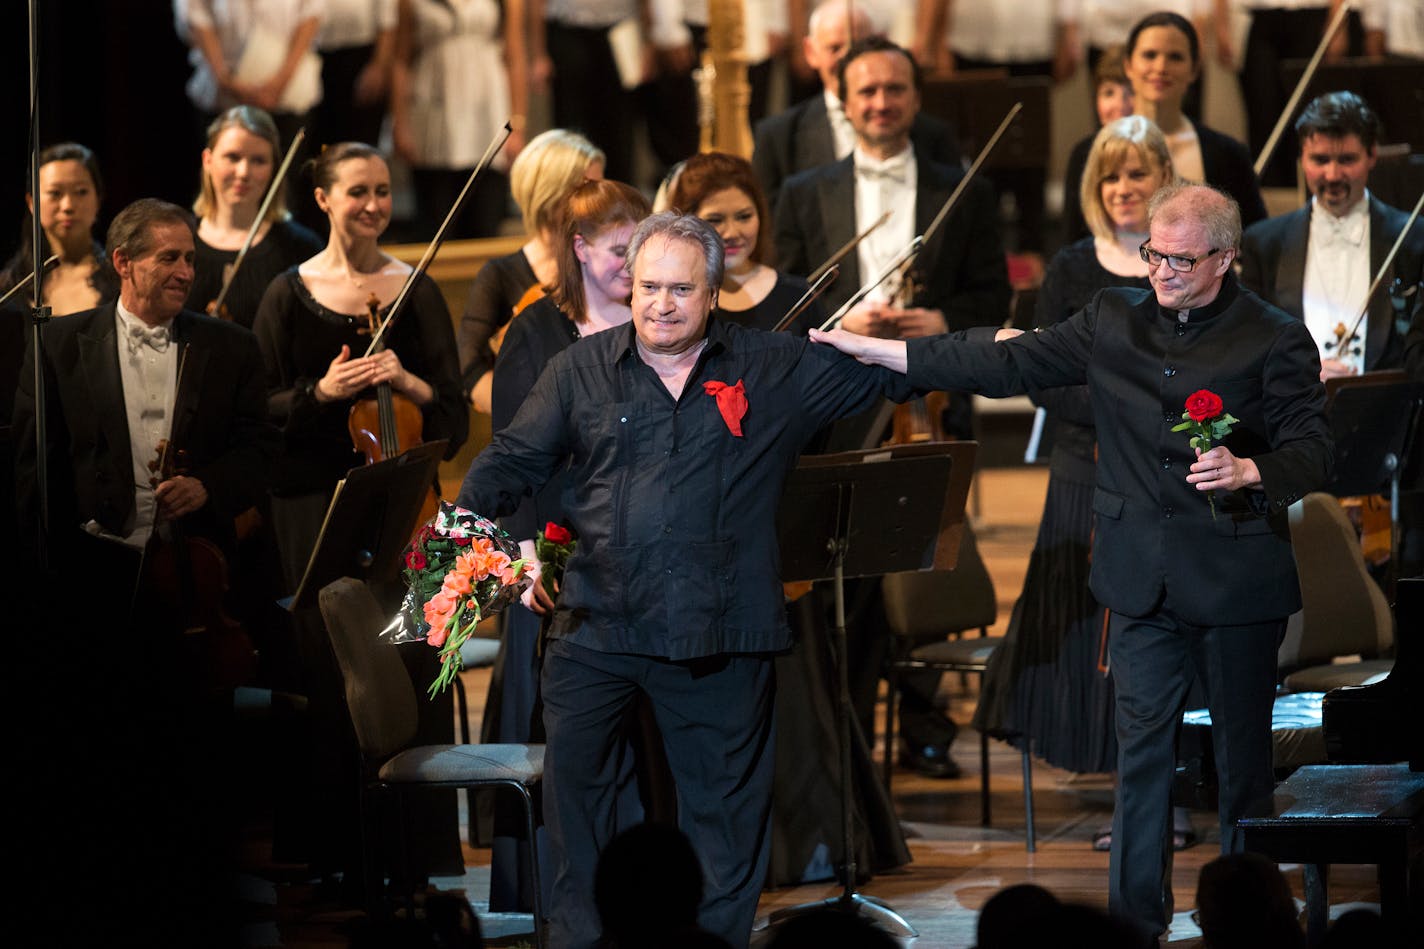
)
(554, 545)
(1208, 421)
(459, 568)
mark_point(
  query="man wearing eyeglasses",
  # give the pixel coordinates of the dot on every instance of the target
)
(1194, 589)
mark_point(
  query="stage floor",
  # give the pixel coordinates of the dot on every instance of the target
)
(957, 864)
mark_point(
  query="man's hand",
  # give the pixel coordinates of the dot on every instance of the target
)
(1220, 470)
(1335, 369)
(180, 496)
(536, 599)
(890, 353)
(1007, 332)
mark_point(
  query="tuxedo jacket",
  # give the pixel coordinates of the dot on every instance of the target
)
(1156, 543)
(1273, 265)
(1225, 162)
(799, 138)
(219, 417)
(961, 271)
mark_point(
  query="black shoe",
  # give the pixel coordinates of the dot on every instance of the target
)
(932, 761)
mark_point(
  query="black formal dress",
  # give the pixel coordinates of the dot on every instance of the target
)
(1048, 684)
(495, 291)
(286, 244)
(299, 337)
(767, 312)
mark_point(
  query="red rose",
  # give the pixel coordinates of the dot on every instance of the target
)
(1203, 405)
(557, 534)
(415, 560)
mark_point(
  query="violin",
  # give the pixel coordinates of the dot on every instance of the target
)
(533, 295)
(389, 424)
(190, 575)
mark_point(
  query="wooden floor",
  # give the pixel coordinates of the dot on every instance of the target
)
(957, 863)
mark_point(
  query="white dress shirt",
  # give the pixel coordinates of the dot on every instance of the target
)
(1337, 277)
(234, 22)
(881, 186)
(148, 369)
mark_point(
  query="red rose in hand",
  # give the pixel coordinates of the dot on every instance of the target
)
(1203, 405)
(415, 560)
(557, 534)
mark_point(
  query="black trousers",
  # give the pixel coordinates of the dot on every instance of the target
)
(589, 98)
(1154, 661)
(715, 716)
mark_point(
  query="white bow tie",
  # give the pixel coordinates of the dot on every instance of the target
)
(1348, 230)
(896, 170)
(156, 338)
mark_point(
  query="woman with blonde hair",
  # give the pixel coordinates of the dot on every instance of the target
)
(1047, 687)
(548, 168)
(242, 154)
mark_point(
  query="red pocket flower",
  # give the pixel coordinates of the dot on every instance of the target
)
(557, 534)
(731, 402)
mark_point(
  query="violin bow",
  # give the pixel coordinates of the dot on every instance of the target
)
(439, 238)
(1269, 148)
(818, 286)
(846, 248)
(1384, 269)
(907, 256)
(25, 282)
(272, 191)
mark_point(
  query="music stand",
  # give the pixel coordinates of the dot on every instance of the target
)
(1371, 417)
(862, 514)
(369, 521)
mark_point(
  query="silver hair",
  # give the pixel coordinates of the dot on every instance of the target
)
(1214, 210)
(674, 226)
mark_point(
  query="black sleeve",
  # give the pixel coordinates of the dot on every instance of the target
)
(485, 312)
(1074, 224)
(237, 478)
(291, 402)
(980, 294)
(1069, 403)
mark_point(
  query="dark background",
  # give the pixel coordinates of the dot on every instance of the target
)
(111, 77)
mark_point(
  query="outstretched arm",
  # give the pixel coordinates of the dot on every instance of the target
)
(889, 353)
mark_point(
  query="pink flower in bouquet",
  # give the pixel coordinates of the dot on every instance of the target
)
(456, 581)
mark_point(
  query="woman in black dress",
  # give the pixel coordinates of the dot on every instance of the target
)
(722, 190)
(1048, 684)
(1163, 57)
(82, 277)
(313, 328)
(590, 295)
(540, 178)
(240, 159)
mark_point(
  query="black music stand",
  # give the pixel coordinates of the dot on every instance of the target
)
(369, 522)
(861, 514)
(1371, 417)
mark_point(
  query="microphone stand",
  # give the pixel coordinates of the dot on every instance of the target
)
(39, 313)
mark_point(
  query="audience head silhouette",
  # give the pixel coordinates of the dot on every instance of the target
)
(647, 888)
(1243, 901)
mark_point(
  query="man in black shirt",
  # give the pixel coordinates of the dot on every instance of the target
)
(678, 432)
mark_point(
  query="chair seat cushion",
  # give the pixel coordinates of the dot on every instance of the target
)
(1337, 675)
(1297, 737)
(478, 652)
(959, 652)
(456, 764)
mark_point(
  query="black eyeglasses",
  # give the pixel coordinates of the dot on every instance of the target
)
(1178, 262)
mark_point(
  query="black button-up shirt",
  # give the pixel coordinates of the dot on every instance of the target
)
(676, 517)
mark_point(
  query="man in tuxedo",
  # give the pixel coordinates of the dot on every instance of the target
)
(816, 131)
(959, 280)
(1317, 263)
(1199, 587)
(119, 380)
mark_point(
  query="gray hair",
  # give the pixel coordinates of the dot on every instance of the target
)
(1214, 210)
(690, 228)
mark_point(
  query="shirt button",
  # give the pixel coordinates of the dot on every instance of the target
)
(1181, 329)
(1170, 371)
(1166, 512)
(669, 573)
(1166, 463)
(1169, 416)
(623, 419)
(667, 530)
